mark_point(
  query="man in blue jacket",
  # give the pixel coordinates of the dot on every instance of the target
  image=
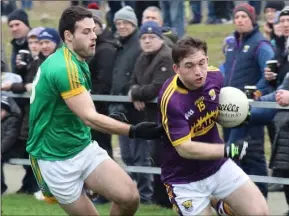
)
(244, 65)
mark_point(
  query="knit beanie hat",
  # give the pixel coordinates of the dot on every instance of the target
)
(151, 27)
(35, 32)
(20, 15)
(126, 13)
(247, 9)
(284, 12)
(50, 34)
(5, 103)
(277, 5)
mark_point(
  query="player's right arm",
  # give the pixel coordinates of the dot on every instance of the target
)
(79, 101)
(178, 132)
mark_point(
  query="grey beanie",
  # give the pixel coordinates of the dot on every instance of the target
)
(126, 13)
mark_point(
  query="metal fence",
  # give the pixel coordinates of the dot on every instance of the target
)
(157, 170)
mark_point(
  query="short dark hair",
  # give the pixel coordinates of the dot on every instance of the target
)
(187, 46)
(69, 18)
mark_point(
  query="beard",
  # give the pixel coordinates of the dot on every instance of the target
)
(83, 52)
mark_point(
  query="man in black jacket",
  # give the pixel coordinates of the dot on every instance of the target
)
(280, 155)
(101, 66)
(10, 126)
(19, 27)
(152, 68)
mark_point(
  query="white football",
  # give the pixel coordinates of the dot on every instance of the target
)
(233, 107)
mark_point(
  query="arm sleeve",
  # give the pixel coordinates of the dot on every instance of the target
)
(264, 53)
(149, 92)
(174, 122)
(271, 96)
(67, 80)
(18, 88)
(10, 134)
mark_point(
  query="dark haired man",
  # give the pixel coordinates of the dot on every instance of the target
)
(62, 154)
(196, 164)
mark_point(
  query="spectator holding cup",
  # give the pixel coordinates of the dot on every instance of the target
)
(277, 69)
(19, 27)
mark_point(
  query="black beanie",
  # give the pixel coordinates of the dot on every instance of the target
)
(20, 15)
(277, 5)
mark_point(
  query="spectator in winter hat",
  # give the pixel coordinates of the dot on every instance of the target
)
(249, 10)
(19, 27)
(284, 20)
(125, 21)
(270, 10)
(151, 37)
(33, 42)
(49, 41)
(19, 23)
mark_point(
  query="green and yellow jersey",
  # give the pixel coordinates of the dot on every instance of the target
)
(55, 132)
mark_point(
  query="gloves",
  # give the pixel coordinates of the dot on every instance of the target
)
(146, 130)
(119, 116)
(236, 150)
(143, 130)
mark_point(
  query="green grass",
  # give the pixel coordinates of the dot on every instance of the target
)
(28, 205)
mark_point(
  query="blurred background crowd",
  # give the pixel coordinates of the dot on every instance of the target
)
(133, 58)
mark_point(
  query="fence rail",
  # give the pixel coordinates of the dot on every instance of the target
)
(157, 170)
(125, 99)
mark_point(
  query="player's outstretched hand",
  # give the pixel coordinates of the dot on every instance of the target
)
(146, 130)
(118, 116)
(236, 150)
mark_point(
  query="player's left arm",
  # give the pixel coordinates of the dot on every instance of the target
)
(264, 53)
(79, 101)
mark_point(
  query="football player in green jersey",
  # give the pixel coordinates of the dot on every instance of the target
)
(62, 154)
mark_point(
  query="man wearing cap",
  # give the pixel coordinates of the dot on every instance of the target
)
(244, 65)
(49, 41)
(19, 27)
(152, 68)
(10, 124)
(33, 42)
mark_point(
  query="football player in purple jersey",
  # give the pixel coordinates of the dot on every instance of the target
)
(196, 165)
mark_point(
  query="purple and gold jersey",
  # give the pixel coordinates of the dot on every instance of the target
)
(191, 115)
